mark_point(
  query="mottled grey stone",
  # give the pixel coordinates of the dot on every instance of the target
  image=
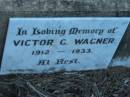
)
(64, 5)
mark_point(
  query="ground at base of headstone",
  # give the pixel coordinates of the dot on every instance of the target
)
(113, 82)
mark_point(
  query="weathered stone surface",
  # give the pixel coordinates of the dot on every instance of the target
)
(65, 5)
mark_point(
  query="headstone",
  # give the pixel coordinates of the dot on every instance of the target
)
(36, 45)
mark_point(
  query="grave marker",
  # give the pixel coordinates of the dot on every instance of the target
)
(36, 45)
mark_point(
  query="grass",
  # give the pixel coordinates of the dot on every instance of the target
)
(112, 82)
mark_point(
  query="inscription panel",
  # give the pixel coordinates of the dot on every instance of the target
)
(35, 45)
